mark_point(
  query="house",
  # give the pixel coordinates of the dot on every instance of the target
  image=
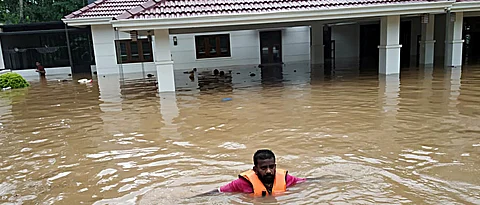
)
(163, 35)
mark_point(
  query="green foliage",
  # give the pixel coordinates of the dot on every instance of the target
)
(13, 80)
(37, 10)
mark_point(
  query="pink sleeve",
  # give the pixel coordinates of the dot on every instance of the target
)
(238, 185)
(291, 180)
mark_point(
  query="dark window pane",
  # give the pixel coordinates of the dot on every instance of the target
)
(213, 45)
(224, 47)
(123, 51)
(134, 51)
(147, 50)
(200, 44)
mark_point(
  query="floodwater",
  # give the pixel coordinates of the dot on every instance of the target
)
(371, 139)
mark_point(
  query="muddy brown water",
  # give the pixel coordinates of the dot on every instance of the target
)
(377, 140)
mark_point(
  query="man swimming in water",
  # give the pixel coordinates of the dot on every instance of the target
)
(264, 179)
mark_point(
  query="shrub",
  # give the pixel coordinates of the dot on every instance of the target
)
(13, 80)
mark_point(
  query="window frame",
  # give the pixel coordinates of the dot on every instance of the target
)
(128, 48)
(206, 41)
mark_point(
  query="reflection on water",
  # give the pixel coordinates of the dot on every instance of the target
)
(411, 138)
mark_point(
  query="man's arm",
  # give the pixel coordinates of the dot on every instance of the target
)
(238, 185)
(321, 178)
(292, 180)
(215, 191)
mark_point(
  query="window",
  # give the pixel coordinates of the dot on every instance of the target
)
(212, 46)
(134, 51)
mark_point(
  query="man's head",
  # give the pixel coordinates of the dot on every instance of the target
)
(265, 167)
(38, 63)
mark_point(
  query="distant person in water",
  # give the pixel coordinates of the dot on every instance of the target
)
(264, 179)
(40, 69)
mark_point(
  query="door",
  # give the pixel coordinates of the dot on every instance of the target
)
(369, 41)
(405, 34)
(271, 47)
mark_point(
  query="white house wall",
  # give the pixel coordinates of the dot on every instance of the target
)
(57, 73)
(296, 44)
(103, 37)
(244, 48)
(347, 44)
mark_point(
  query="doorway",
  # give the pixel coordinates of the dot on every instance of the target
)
(471, 34)
(405, 41)
(271, 47)
(369, 41)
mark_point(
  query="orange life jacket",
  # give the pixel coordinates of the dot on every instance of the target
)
(279, 185)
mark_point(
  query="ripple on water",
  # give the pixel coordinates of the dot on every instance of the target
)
(105, 172)
(58, 176)
(38, 141)
(232, 145)
(183, 144)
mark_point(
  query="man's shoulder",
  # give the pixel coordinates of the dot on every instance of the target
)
(241, 180)
(237, 185)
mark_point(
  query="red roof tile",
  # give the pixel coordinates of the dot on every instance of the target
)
(145, 9)
(105, 8)
(191, 8)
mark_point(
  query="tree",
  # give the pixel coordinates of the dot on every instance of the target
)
(30, 11)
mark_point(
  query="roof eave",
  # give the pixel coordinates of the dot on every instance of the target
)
(88, 21)
(466, 6)
(288, 16)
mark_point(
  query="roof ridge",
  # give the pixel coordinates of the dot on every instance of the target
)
(143, 7)
(84, 9)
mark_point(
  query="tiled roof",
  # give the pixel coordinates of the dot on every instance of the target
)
(191, 8)
(145, 9)
(105, 8)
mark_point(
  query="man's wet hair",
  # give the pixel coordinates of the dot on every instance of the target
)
(262, 154)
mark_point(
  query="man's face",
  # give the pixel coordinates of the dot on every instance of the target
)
(265, 170)
(37, 63)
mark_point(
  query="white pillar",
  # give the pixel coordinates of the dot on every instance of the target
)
(103, 39)
(2, 62)
(427, 45)
(454, 41)
(317, 48)
(389, 49)
(163, 61)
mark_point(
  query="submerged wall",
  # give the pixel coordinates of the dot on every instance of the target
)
(244, 46)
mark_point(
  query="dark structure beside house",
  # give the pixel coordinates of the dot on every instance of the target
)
(24, 44)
